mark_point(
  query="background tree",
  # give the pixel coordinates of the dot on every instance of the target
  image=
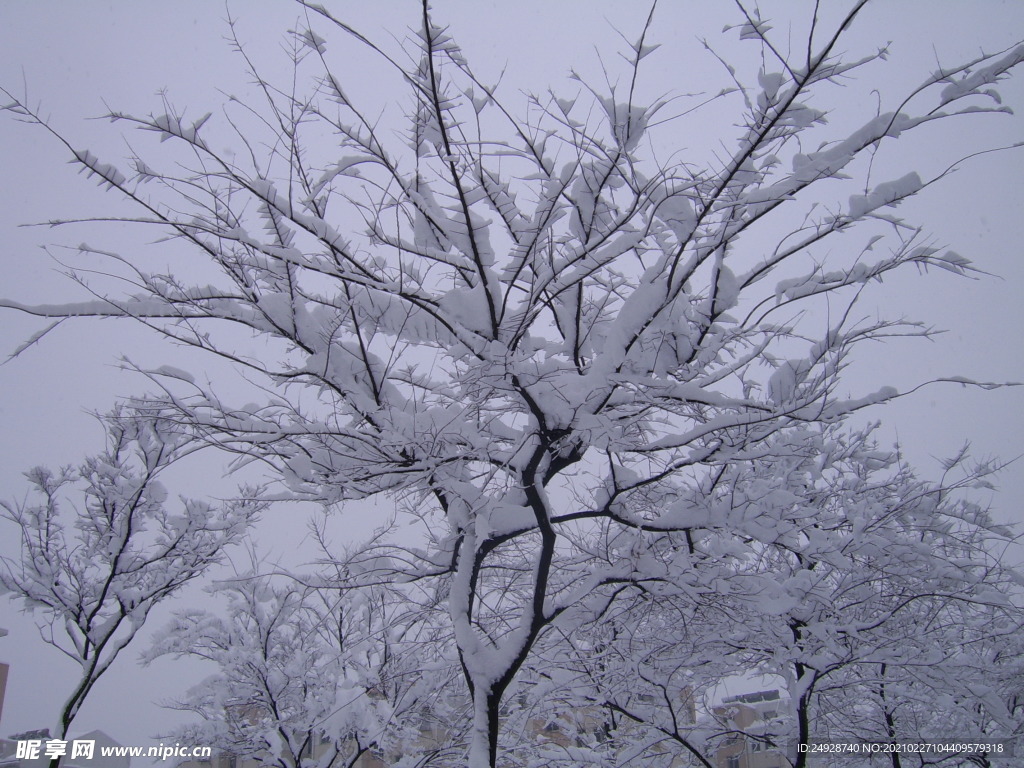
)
(306, 678)
(872, 599)
(278, 695)
(874, 603)
(96, 570)
(525, 325)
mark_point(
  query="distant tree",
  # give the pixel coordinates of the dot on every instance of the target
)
(305, 679)
(96, 569)
(523, 326)
(278, 691)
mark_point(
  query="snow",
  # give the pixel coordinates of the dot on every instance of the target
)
(973, 82)
(889, 193)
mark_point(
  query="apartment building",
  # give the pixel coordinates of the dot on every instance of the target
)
(753, 714)
(4, 669)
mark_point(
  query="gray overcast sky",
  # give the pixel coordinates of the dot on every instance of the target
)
(74, 57)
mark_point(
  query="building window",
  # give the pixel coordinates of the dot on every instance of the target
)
(733, 761)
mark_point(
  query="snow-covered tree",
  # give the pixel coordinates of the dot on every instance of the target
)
(277, 692)
(307, 678)
(877, 602)
(526, 325)
(880, 598)
(95, 569)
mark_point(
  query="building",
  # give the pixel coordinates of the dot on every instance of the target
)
(6, 746)
(4, 669)
(98, 760)
(753, 714)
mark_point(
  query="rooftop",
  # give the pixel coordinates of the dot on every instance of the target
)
(752, 698)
